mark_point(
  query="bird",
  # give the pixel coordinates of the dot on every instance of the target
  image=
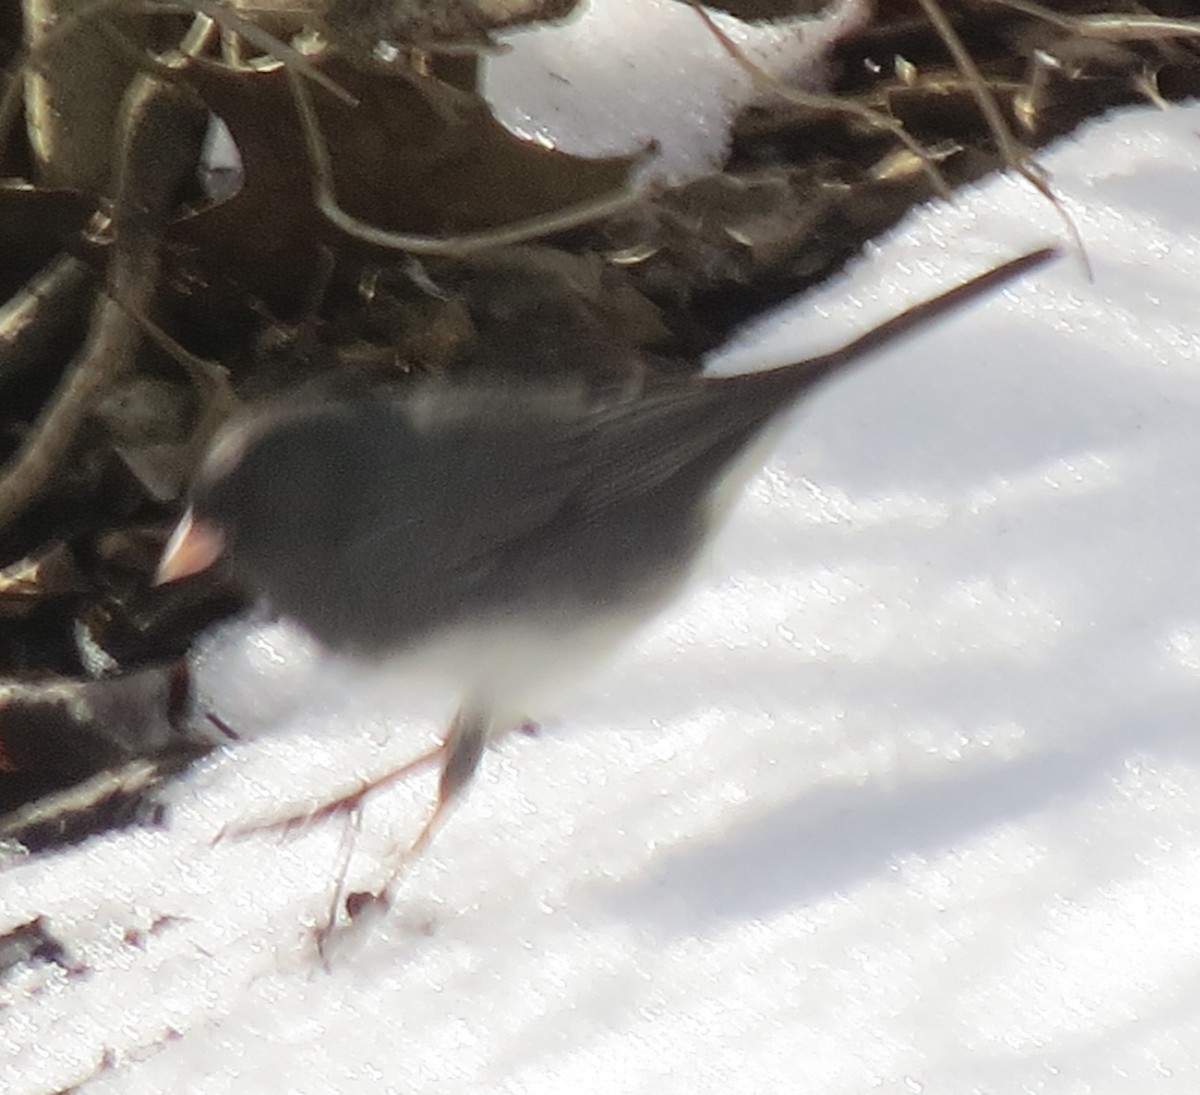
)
(495, 535)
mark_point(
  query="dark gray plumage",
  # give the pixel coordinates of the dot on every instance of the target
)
(500, 529)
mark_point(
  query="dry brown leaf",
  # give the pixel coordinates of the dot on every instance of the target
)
(414, 156)
(437, 22)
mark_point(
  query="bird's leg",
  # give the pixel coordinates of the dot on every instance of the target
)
(461, 752)
(463, 749)
(325, 931)
(348, 801)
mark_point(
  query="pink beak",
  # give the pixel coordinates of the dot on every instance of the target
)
(194, 546)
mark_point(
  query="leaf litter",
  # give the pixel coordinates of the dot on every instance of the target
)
(380, 225)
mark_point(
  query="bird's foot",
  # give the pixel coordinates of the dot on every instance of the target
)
(341, 805)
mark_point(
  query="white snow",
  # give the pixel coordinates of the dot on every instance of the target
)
(622, 75)
(905, 797)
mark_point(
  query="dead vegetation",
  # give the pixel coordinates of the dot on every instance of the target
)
(384, 225)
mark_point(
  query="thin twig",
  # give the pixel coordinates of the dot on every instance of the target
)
(32, 319)
(159, 136)
(1109, 27)
(218, 12)
(574, 216)
(210, 378)
(876, 119)
(296, 61)
(1014, 153)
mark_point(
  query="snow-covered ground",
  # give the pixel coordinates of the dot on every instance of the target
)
(623, 74)
(904, 797)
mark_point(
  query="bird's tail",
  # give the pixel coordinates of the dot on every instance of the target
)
(799, 375)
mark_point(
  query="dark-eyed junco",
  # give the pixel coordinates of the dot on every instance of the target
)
(501, 536)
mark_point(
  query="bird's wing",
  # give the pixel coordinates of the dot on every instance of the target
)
(514, 506)
(682, 439)
(488, 485)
